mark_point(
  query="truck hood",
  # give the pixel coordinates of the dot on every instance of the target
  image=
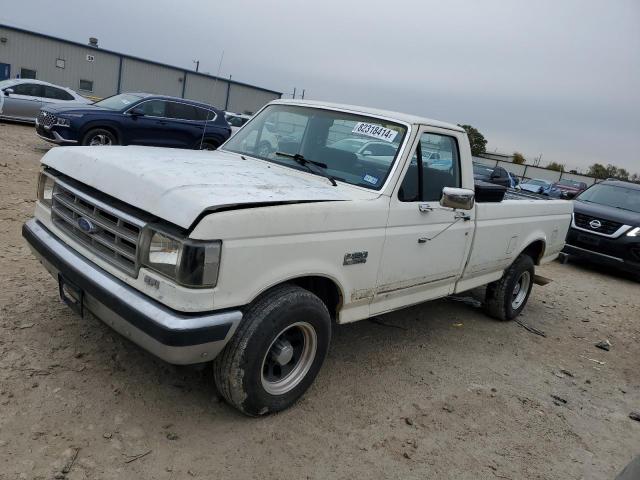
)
(178, 185)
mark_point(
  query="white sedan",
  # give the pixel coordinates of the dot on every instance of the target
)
(22, 99)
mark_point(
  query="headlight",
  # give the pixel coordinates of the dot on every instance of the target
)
(45, 188)
(192, 263)
(634, 232)
(63, 122)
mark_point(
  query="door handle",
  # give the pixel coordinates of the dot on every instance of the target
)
(462, 215)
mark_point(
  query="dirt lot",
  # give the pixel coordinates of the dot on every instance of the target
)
(435, 391)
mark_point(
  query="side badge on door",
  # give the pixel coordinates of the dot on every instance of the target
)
(355, 258)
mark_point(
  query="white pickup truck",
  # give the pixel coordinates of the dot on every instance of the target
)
(246, 257)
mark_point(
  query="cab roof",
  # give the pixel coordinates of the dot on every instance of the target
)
(403, 117)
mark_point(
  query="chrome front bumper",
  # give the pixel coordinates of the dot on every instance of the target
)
(176, 337)
(58, 140)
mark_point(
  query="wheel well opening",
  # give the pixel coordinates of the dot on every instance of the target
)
(325, 289)
(535, 251)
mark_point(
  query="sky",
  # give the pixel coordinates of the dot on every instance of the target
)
(557, 78)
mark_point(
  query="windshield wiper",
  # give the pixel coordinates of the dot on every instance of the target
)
(306, 163)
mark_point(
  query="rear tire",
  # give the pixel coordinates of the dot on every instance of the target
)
(276, 353)
(507, 297)
(99, 137)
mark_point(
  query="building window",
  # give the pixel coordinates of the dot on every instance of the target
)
(27, 73)
(60, 63)
(86, 85)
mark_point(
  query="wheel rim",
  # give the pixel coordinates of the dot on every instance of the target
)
(520, 290)
(289, 358)
(100, 140)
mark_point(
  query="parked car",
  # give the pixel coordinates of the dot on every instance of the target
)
(536, 185)
(135, 119)
(606, 225)
(22, 99)
(247, 259)
(566, 188)
(236, 120)
(496, 175)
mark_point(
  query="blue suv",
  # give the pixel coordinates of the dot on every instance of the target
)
(135, 119)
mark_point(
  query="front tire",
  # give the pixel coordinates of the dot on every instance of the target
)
(99, 137)
(507, 297)
(276, 352)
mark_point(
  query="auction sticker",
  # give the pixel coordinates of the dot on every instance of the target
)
(370, 179)
(375, 131)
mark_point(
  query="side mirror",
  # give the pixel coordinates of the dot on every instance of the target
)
(461, 198)
(8, 91)
(136, 112)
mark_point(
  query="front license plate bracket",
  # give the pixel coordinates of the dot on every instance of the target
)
(71, 295)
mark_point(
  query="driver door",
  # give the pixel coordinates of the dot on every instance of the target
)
(426, 244)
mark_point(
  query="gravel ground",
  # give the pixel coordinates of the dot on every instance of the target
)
(434, 391)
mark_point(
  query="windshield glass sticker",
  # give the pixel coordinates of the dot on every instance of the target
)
(371, 179)
(375, 131)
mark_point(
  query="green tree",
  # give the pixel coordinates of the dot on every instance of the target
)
(518, 158)
(558, 167)
(476, 140)
(598, 170)
(622, 174)
(610, 171)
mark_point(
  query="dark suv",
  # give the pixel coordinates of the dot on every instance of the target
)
(135, 119)
(606, 225)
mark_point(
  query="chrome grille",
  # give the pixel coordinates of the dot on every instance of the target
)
(113, 235)
(607, 227)
(46, 119)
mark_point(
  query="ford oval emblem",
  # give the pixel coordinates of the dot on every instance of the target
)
(595, 224)
(87, 226)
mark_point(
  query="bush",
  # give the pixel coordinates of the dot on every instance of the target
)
(518, 158)
(558, 167)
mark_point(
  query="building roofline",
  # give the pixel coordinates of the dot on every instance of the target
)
(133, 57)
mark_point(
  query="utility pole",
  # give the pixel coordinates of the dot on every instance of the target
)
(197, 62)
(303, 93)
(294, 92)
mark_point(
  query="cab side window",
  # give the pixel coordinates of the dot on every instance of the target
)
(435, 164)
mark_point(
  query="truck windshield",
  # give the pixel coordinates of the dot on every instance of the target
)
(613, 196)
(355, 149)
(118, 102)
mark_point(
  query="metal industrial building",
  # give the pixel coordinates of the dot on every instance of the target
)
(95, 72)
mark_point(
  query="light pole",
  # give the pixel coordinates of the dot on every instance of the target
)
(197, 62)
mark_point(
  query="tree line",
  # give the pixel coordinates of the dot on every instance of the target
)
(479, 146)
